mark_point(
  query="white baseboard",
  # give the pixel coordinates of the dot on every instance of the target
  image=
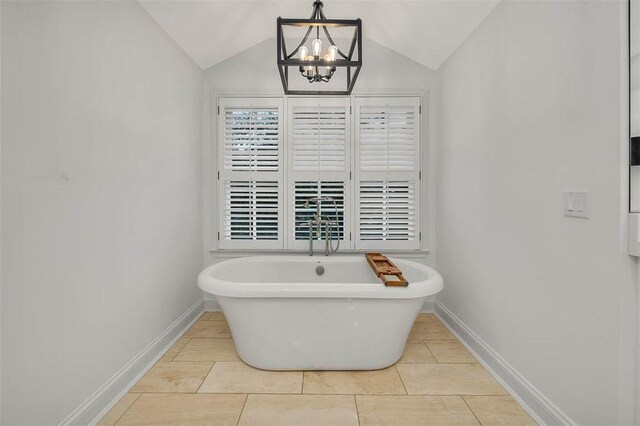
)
(211, 304)
(542, 410)
(99, 404)
(429, 306)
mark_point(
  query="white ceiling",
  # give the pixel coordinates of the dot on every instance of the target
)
(428, 31)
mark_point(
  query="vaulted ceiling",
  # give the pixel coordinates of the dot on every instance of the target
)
(427, 31)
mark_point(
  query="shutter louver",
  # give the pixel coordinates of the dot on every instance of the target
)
(250, 139)
(250, 210)
(319, 139)
(387, 211)
(387, 138)
(305, 190)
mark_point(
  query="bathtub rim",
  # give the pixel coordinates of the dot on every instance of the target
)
(418, 289)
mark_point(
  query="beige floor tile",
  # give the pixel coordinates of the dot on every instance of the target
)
(427, 318)
(430, 329)
(216, 316)
(212, 316)
(209, 330)
(173, 377)
(448, 379)
(378, 382)
(208, 350)
(417, 352)
(413, 410)
(118, 410)
(185, 409)
(173, 350)
(237, 377)
(498, 410)
(299, 410)
(450, 351)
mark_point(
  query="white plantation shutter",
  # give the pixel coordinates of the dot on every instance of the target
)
(319, 138)
(387, 172)
(377, 188)
(250, 138)
(387, 137)
(387, 210)
(305, 190)
(319, 163)
(250, 210)
(250, 173)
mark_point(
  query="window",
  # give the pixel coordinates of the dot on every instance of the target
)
(387, 172)
(319, 141)
(250, 173)
(366, 158)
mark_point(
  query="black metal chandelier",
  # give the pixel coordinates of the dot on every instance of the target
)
(313, 64)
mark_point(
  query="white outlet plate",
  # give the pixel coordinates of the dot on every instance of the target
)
(576, 203)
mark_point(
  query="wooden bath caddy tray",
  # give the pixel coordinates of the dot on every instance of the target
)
(386, 270)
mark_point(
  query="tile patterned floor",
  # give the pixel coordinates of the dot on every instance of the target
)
(201, 381)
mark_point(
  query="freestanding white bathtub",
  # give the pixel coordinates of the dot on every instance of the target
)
(284, 316)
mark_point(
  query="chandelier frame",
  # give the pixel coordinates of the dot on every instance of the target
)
(318, 22)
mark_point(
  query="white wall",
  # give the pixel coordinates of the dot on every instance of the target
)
(531, 107)
(0, 209)
(635, 100)
(384, 71)
(634, 95)
(101, 207)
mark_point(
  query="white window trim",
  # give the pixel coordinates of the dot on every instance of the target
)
(211, 167)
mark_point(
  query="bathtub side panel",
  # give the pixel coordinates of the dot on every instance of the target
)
(320, 333)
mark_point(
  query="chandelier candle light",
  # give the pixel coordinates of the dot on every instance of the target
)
(318, 65)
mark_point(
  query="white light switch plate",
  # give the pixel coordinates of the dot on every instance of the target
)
(576, 204)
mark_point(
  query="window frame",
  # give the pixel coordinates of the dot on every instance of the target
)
(236, 248)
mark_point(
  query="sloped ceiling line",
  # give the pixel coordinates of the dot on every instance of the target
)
(427, 31)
